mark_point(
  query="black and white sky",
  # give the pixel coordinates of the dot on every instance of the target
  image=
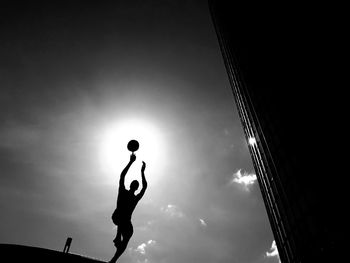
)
(77, 81)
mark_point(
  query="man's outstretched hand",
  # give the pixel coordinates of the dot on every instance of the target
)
(132, 158)
(143, 166)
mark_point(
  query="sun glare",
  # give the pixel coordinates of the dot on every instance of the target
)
(252, 141)
(114, 154)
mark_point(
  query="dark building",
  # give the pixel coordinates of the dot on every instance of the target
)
(279, 67)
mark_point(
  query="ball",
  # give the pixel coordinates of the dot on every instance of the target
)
(133, 145)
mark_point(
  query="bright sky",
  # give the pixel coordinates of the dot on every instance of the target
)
(77, 84)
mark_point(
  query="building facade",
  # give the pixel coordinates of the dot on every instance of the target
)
(272, 64)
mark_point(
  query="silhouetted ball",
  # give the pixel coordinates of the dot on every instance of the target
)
(133, 146)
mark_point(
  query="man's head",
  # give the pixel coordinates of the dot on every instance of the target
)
(134, 186)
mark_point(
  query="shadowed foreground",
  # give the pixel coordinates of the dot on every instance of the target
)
(19, 253)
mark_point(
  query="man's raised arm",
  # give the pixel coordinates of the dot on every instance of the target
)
(125, 171)
(144, 182)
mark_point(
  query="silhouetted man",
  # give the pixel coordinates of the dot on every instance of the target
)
(126, 203)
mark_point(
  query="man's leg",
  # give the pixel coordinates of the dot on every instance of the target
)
(118, 238)
(126, 232)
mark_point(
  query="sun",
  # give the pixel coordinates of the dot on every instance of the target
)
(114, 154)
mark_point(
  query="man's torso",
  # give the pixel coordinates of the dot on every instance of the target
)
(126, 204)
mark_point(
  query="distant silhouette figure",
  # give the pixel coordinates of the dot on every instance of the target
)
(126, 203)
(67, 245)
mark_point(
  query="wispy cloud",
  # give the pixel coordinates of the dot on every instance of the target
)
(202, 222)
(244, 179)
(173, 211)
(142, 248)
(144, 253)
(273, 251)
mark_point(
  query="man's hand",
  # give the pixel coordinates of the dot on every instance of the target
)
(132, 158)
(143, 167)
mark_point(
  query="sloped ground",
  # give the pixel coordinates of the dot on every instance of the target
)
(18, 253)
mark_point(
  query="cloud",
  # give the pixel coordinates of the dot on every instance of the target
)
(173, 211)
(144, 253)
(202, 222)
(273, 252)
(142, 248)
(245, 179)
